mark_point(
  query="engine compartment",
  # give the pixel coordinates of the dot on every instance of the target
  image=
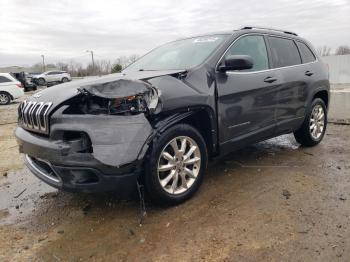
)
(119, 98)
(88, 104)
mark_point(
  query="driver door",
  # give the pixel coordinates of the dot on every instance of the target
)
(247, 98)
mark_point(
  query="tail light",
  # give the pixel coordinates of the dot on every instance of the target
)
(19, 85)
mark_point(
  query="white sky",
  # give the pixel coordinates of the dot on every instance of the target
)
(64, 30)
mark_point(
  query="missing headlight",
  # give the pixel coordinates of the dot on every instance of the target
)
(123, 97)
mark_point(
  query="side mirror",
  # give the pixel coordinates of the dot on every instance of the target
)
(237, 62)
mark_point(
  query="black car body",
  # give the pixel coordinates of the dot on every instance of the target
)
(98, 134)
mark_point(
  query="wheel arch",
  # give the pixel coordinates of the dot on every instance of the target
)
(7, 93)
(322, 94)
(201, 118)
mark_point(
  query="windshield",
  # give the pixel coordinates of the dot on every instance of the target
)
(181, 54)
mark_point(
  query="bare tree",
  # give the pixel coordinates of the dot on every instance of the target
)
(133, 58)
(101, 67)
(343, 50)
(38, 67)
(124, 61)
(324, 50)
(62, 66)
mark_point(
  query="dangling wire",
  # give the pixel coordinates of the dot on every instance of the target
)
(143, 213)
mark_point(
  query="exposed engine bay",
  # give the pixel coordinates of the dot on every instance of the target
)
(121, 97)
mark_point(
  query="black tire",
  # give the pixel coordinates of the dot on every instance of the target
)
(152, 184)
(5, 98)
(41, 81)
(64, 80)
(303, 134)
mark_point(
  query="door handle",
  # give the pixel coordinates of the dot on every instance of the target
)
(309, 73)
(270, 79)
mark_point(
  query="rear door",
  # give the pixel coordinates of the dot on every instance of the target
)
(309, 70)
(247, 98)
(48, 77)
(56, 76)
(286, 60)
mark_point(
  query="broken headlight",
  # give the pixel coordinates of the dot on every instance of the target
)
(130, 104)
(95, 105)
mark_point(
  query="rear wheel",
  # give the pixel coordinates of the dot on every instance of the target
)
(64, 79)
(314, 127)
(176, 165)
(5, 98)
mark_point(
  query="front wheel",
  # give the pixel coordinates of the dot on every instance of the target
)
(314, 127)
(41, 81)
(176, 164)
(64, 79)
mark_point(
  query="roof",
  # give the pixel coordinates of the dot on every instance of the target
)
(250, 29)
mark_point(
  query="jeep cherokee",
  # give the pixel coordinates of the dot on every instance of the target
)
(161, 119)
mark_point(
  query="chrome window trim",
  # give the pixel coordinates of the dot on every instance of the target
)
(266, 70)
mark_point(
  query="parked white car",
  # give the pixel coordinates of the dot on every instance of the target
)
(10, 88)
(51, 76)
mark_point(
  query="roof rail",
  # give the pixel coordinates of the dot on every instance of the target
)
(266, 28)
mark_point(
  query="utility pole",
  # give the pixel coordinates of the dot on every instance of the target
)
(43, 57)
(93, 62)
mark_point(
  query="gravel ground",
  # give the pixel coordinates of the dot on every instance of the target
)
(273, 201)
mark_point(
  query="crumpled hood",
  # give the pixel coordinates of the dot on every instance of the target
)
(60, 93)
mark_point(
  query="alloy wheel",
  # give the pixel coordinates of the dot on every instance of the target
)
(317, 122)
(179, 165)
(4, 99)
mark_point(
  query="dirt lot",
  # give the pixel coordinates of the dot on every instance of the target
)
(273, 201)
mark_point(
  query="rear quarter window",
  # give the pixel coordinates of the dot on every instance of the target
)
(4, 79)
(306, 54)
(284, 52)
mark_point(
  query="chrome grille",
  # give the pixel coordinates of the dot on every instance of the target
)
(34, 116)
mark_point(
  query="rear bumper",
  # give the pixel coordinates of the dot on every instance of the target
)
(17, 92)
(58, 165)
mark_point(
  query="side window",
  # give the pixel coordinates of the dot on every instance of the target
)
(254, 46)
(306, 54)
(284, 52)
(4, 79)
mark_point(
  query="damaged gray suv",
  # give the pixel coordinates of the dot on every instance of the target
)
(159, 121)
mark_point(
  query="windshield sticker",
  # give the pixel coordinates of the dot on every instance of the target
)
(205, 39)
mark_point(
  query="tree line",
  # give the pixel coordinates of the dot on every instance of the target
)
(99, 67)
(326, 50)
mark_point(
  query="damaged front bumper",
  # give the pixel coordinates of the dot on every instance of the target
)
(107, 157)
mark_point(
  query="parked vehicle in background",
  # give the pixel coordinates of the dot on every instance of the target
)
(52, 76)
(26, 80)
(164, 116)
(10, 88)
